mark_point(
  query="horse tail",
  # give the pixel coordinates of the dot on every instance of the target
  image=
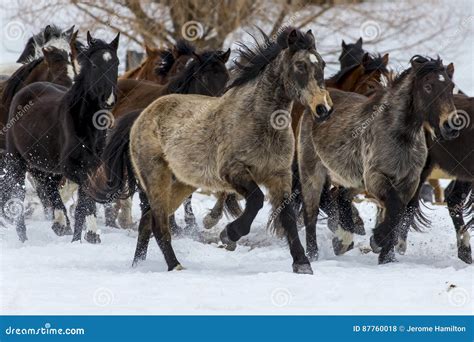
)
(232, 207)
(420, 220)
(114, 179)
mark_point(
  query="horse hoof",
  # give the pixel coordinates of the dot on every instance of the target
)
(339, 248)
(401, 247)
(386, 258)
(464, 253)
(178, 267)
(226, 242)
(312, 254)
(22, 237)
(60, 229)
(76, 238)
(92, 237)
(302, 269)
(375, 248)
(210, 221)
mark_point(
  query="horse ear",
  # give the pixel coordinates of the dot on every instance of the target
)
(47, 32)
(344, 45)
(450, 70)
(90, 40)
(310, 33)
(385, 59)
(365, 59)
(224, 56)
(149, 50)
(68, 33)
(115, 43)
(359, 42)
(292, 38)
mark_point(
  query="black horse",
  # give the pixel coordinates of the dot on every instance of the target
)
(60, 132)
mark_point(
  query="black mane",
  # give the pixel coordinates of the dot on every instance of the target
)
(428, 65)
(16, 80)
(182, 48)
(180, 83)
(253, 60)
(37, 40)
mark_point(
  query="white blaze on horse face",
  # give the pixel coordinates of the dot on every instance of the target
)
(441, 78)
(111, 99)
(326, 104)
(313, 59)
(70, 72)
(107, 56)
(91, 223)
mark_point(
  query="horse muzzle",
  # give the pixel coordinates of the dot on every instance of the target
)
(449, 132)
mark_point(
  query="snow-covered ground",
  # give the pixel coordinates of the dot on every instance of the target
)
(49, 275)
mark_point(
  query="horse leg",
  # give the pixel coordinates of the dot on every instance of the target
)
(38, 181)
(124, 218)
(455, 199)
(315, 188)
(144, 230)
(243, 183)
(216, 213)
(413, 211)
(284, 219)
(85, 214)
(189, 217)
(385, 234)
(111, 211)
(13, 209)
(61, 225)
(344, 234)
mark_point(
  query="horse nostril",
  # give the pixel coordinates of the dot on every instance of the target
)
(321, 110)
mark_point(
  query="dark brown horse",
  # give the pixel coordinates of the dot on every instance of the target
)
(59, 132)
(455, 158)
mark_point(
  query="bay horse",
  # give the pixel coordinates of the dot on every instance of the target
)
(146, 69)
(59, 134)
(231, 143)
(378, 145)
(51, 35)
(453, 157)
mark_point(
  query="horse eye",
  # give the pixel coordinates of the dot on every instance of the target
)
(428, 87)
(300, 66)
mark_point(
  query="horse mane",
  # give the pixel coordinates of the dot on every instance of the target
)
(35, 41)
(184, 48)
(17, 78)
(180, 83)
(254, 59)
(428, 65)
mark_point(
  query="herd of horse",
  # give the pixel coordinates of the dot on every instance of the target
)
(183, 121)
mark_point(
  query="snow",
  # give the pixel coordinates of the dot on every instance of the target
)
(50, 275)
